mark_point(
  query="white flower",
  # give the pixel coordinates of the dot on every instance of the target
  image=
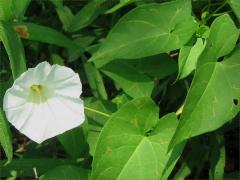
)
(44, 102)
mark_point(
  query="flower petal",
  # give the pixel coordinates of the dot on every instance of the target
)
(14, 97)
(54, 117)
(19, 116)
(35, 75)
(64, 81)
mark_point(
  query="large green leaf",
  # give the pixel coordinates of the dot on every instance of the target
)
(134, 143)
(66, 172)
(235, 5)
(148, 30)
(89, 13)
(42, 34)
(209, 103)
(14, 49)
(134, 83)
(213, 98)
(5, 136)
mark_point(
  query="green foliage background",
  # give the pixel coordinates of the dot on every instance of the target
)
(161, 76)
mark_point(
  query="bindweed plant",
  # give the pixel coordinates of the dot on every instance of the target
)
(119, 89)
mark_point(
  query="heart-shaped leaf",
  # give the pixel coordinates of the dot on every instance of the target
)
(134, 144)
(148, 30)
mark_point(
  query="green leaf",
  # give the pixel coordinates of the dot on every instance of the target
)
(89, 13)
(217, 158)
(168, 26)
(64, 13)
(14, 48)
(217, 46)
(95, 81)
(5, 136)
(42, 34)
(19, 8)
(56, 59)
(235, 5)
(134, 143)
(183, 172)
(135, 84)
(121, 99)
(158, 66)
(212, 100)
(188, 58)
(6, 10)
(74, 141)
(66, 172)
(82, 43)
(24, 167)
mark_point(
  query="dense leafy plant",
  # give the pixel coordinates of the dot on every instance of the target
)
(161, 87)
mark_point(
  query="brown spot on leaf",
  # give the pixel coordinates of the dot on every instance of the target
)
(134, 122)
(22, 31)
(109, 149)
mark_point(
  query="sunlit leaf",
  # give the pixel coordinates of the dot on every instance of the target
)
(213, 98)
(148, 30)
(132, 133)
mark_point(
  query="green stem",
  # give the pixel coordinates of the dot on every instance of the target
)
(96, 111)
(218, 9)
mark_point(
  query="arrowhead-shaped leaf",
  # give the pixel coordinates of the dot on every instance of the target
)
(211, 100)
(134, 143)
(148, 30)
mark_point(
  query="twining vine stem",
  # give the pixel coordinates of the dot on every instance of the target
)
(96, 111)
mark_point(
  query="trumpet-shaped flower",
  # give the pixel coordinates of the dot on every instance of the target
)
(44, 102)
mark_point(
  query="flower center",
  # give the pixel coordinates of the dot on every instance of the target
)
(37, 89)
(39, 93)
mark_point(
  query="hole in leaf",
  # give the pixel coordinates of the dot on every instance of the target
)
(235, 101)
(220, 59)
(148, 133)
